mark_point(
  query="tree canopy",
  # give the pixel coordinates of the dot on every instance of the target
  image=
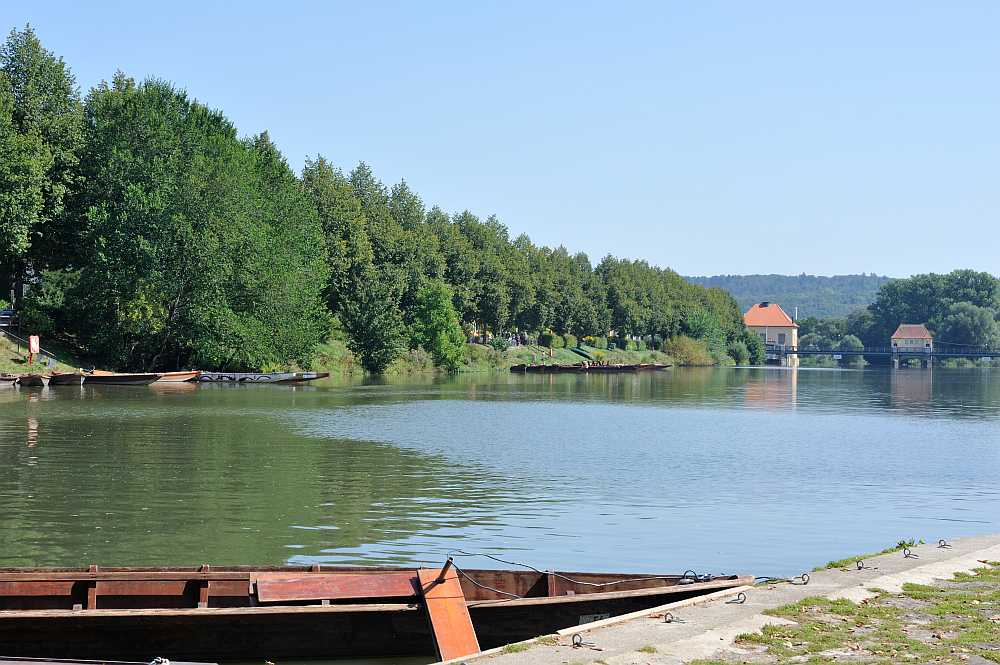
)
(153, 235)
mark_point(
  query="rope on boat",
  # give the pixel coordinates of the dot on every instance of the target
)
(481, 585)
(689, 576)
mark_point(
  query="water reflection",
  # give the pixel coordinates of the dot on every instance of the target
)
(766, 470)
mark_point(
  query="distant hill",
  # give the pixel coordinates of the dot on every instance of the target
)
(814, 296)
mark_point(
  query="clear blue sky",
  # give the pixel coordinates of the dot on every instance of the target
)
(706, 136)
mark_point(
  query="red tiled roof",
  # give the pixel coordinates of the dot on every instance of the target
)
(911, 331)
(768, 314)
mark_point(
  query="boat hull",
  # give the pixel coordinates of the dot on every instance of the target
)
(66, 379)
(302, 377)
(120, 379)
(32, 380)
(246, 377)
(371, 631)
(178, 377)
(134, 615)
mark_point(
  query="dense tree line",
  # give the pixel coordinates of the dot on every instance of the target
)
(961, 308)
(150, 234)
(816, 296)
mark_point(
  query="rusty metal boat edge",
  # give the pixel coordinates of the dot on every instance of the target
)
(224, 613)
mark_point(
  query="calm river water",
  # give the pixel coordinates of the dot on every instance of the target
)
(763, 471)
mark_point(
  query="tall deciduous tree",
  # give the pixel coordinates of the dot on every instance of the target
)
(45, 114)
(24, 162)
(202, 248)
(348, 249)
(373, 321)
(436, 328)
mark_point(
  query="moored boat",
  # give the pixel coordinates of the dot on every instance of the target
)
(7, 380)
(32, 380)
(119, 379)
(179, 377)
(246, 377)
(318, 612)
(66, 379)
(305, 376)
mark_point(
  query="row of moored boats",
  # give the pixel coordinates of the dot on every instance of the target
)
(99, 377)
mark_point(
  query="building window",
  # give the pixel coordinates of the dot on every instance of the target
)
(781, 339)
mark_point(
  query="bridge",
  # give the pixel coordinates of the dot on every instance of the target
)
(895, 354)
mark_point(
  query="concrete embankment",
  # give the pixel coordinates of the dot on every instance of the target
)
(702, 627)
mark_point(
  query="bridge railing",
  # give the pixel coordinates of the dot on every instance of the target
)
(950, 350)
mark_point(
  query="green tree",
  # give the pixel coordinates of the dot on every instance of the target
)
(202, 248)
(24, 162)
(373, 321)
(738, 352)
(42, 133)
(436, 328)
(965, 323)
(755, 346)
(348, 249)
(850, 343)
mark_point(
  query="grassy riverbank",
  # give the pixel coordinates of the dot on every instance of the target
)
(953, 621)
(14, 360)
(334, 357)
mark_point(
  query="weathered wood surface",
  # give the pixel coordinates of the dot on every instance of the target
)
(451, 625)
(208, 612)
(336, 586)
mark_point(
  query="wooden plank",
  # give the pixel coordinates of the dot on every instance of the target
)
(273, 610)
(451, 625)
(319, 586)
(36, 588)
(141, 588)
(92, 592)
(84, 576)
(611, 595)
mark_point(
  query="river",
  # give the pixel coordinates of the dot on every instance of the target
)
(761, 471)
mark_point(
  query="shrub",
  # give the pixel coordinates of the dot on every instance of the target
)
(640, 345)
(739, 352)
(688, 351)
(722, 359)
(755, 347)
(499, 343)
(551, 340)
(569, 340)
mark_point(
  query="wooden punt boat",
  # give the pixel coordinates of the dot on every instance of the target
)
(178, 377)
(7, 380)
(246, 377)
(318, 612)
(32, 380)
(305, 376)
(116, 379)
(66, 379)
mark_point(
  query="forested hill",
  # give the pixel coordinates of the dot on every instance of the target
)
(820, 297)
